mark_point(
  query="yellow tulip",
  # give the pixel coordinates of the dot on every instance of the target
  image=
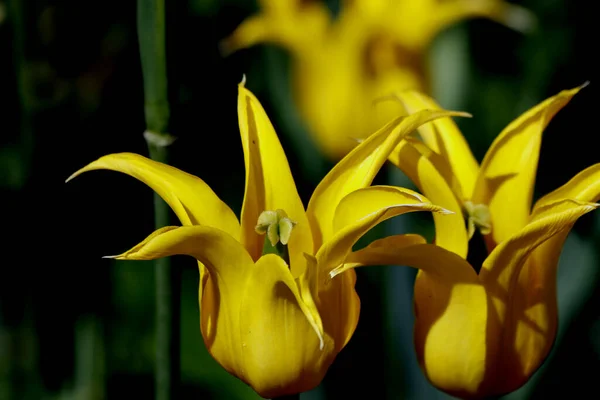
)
(269, 313)
(484, 334)
(372, 48)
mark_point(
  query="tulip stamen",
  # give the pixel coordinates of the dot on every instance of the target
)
(478, 217)
(278, 229)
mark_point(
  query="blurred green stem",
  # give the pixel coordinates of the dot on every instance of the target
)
(15, 159)
(151, 36)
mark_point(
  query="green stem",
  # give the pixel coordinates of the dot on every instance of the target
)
(151, 36)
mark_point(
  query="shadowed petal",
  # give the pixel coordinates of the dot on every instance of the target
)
(360, 211)
(425, 168)
(451, 310)
(501, 269)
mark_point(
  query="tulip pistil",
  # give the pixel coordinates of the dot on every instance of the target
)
(478, 216)
(278, 229)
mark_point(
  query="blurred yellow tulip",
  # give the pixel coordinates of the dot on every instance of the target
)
(372, 48)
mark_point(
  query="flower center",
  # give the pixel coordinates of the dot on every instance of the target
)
(278, 228)
(478, 217)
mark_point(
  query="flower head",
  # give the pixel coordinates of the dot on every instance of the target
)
(341, 65)
(484, 334)
(270, 314)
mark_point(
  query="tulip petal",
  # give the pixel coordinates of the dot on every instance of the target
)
(192, 200)
(360, 211)
(520, 275)
(269, 182)
(444, 138)
(358, 169)
(533, 316)
(277, 23)
(451, 309)
(585, 186)
(282, 354)
(424, 167)
(415, 24)
(413, 251)
(508, 169)
(501, 269)
(248, 303)
(229, 266)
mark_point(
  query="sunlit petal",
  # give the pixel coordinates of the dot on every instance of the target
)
(585, 186)
(192, 200)
(359, 167)
(443, 137)
(508, 169)
(269, 182)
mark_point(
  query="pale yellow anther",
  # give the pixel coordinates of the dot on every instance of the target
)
(276, 225)
(478, 216)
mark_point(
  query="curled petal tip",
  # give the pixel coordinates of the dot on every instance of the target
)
(111, 257)
(71, 177)
(445, 211)
(463, 114)
(584, 84)
(243, 82)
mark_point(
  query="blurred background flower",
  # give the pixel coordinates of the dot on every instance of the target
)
(76, 326)
(341, 64)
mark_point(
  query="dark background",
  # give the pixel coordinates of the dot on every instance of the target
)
(76, 326)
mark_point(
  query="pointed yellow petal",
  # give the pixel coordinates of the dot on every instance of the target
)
(443, 137)
(192, 200)
(360, 211)
(585, 186)
(508, 169)
(229, 267)
(502, 267)
(269, 182)
(426, 169)
(261, 329)
(282, 344)
(357, 169)
(379, 252)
